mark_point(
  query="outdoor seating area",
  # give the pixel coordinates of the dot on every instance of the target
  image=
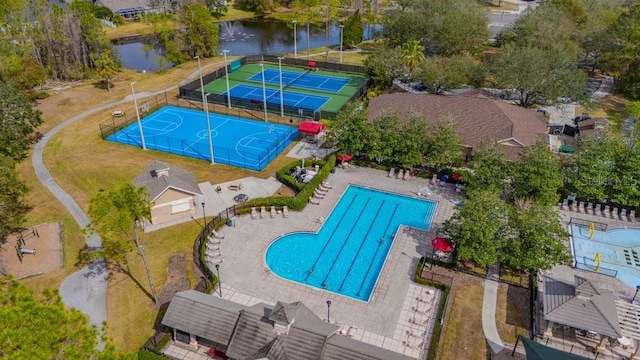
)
(235, 186)
(272, 213)
(599, 209)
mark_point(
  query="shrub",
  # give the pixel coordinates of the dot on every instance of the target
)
(144, 354)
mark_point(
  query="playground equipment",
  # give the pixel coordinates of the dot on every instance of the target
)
(592, 230)
(28, 251)
(597, 260)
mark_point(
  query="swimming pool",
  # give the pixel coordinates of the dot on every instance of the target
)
(617, 249)
(347, 254)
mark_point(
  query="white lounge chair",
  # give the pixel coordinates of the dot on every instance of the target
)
(400, 174)
(392, 171)
(285, 211)
(217, 234)
(318, 195)
(273, 211)
(321, 190)
(213, 241)
(263, 213)
(326, 185)
(254, 213)
(314, 201)
(405, 176)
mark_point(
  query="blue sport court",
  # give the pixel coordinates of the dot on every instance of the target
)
(289, 98)
(347, 255)
(237, 142)
(302, 80)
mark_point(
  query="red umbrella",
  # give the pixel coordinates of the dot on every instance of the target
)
(345, 157)
(441, 244)
(456, 176)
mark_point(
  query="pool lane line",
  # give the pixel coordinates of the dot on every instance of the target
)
(346, 239)
(331, 237)
(364, 278)
(361, 245)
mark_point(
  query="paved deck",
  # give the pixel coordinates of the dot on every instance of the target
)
(400, 312)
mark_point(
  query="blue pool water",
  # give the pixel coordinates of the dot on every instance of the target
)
(348, 253)
(618, 249)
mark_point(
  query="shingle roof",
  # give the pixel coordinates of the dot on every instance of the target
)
(116, 5)
(582, 305)
(203, 315)
(159, 176)
(471, 112)
(254, 336)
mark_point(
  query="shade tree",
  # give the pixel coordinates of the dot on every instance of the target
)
(350, 130)
(443, 144)
(441, 74)
(490, 169)
(537, 175)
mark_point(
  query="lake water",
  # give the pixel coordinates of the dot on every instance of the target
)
(241, 37)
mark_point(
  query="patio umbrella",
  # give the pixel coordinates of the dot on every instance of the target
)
(456, 176)
(441, 244)
(345, 157)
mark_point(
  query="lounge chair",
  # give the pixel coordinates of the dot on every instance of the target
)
(321, 190)
(326, 185)
(213, 241)
(273, 211)
(318, 195)
(405, 176)
(632, 215)
(263, 213)
(254, 213)
(314, 201)
(400, 174)
(217, 234)
(320, 220)
(392, 172)
(285, 211)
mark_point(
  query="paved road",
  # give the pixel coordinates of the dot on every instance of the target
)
(86, 289)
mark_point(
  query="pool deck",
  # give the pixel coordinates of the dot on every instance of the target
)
(400, 314)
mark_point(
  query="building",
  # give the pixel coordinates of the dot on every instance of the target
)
(171, 191)
(129, 9)
(262, 331)
(478, 117)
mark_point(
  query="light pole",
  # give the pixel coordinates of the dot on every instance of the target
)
(295, 39)
(341, 34)
(636, 294)
(328, 307)
(308, 40)
(219, 282)
(226, 76)
(264, 94)
(281, 94)
(205, 105)
(204, 216)
(135, 103)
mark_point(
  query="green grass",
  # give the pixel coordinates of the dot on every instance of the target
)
(336, 100)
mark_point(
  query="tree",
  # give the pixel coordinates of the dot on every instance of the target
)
(384, 65)
(444, 145)
(402, 27)
(256, 6)
(18, 122)
(44, 328)
(537, 73)
(440, 74)
(413, 141)
(217, 8)
(201, 31)
(592, 168)
(116, 216)
(352, 32)
(479, 229)
(13, 209)
(537, 242)
(537, 175)
(106, 66)
(412, 55)
(490, 169)
(350, 130)
(387, 137)
(624, 184)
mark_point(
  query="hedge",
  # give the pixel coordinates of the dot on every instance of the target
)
(437, 329)
(144, 354)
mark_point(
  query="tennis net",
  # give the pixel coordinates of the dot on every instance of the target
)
(297, 78)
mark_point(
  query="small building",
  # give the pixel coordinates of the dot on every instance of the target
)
(171, 191)
(130, 9)
(262, 331)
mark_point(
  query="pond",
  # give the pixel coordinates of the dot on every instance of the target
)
(241, 37)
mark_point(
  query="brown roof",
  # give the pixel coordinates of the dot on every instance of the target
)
(478, 117)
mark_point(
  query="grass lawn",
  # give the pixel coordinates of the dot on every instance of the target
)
(82, 163)
(611, 107)
(512, 311)
(463, 336)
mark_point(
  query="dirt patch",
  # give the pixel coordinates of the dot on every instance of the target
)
(176, 278)
(46, 242)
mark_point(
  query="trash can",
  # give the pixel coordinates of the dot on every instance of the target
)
(333, 170)
(229, 223)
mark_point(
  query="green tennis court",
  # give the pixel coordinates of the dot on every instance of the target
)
(337, 88)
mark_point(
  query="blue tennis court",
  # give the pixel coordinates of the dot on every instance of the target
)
(293, 99)
(302, 80)
(237, 142)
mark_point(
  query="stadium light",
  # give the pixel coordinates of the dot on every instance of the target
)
(341, 34)
(264, 93)
(281, 94)
(226, 75)
(135, 104)
(295, 39)
(308, 44)
(205, 105)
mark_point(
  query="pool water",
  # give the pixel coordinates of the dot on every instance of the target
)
(618, 250)
(348, 253)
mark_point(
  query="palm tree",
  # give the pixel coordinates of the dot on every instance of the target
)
(412, 55)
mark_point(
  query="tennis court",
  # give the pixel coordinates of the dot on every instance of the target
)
(237, 142)
(302, 80)
(273, 97)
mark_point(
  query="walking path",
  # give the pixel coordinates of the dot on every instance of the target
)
(86, 289)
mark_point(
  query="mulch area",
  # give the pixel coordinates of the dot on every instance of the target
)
(45, 239)
(176, 278)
